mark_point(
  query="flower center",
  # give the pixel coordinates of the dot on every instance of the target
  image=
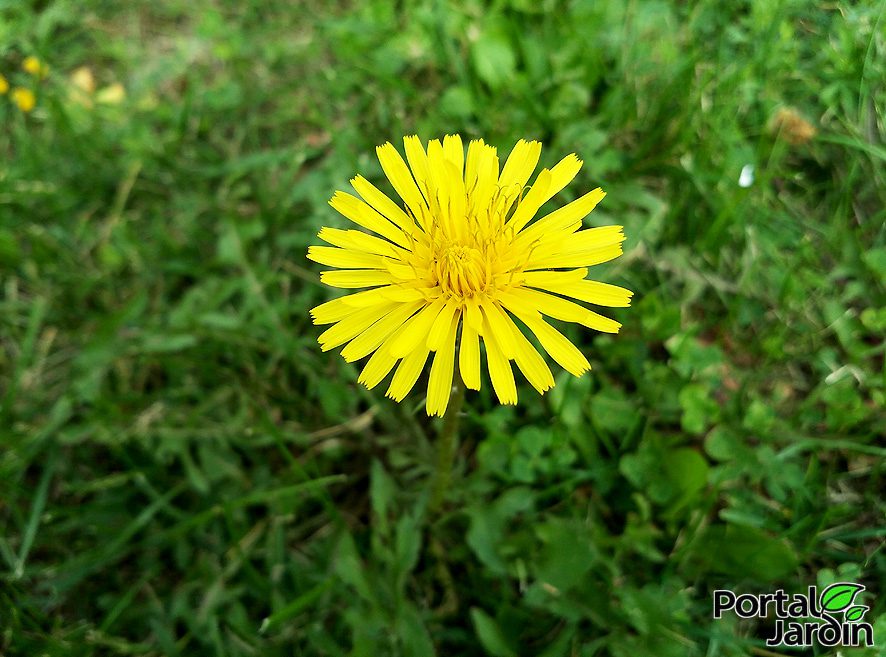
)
(460, 270)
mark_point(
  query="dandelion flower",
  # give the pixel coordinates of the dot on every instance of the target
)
(24, 98)
(35, 67)
(113, 94)
(4, 85)
(83, 79)
(463, 259)
(82, 86)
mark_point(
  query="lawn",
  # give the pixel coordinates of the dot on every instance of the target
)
(183, 471)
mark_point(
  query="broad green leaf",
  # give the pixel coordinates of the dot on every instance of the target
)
(349, 567)
(457, 102)
(744, 552)
(381, 493)
(687, 471)
(413, 634)
(876, 260)
(407, 546)
(568, 553)
(229, 248)
(490, 634)
(699, 410)
(493, 58)
(488, 525)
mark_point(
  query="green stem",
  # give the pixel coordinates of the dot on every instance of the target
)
(447, 445)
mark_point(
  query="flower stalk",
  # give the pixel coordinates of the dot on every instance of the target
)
(447, 445)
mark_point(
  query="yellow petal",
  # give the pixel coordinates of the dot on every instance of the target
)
(439, 190)
(469, 356)
(475, 147)
(344, 258)
(567, 241)
(563, 173)
(363, 214)
(472, 314)
(543, 278)
(418, 163)
(417, 329)
(440, 382)
(500, 371)
(377, 367)
(501, 326)
(436, 158)
(330, 312)
(455, 200)
(370, 339)
(355, 278)
(531, 203)
(407, 373)
(532, 364)
(527, 300)
(585, 247)
(562, 219)
(556, 344)
(385, 206)
(381, 362)
(454, 151)
(408, 272)
(482, 186)
(519, 165)
(401, 179)
(337, 309)
(600, 294)
(440, 327)
(587, 258)
(382, 294)
(352, 325)
(359, 241)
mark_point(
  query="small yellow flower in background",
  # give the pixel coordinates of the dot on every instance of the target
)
(113, 94)
(790, 125)
(83, 79)
(463, 258)
(82, 86)
(4, 85)
(82, 89)
(35, 67)
(24, 98)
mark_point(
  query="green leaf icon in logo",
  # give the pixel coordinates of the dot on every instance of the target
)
(854, 614)
(839, 596)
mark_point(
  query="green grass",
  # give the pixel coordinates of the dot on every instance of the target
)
(184, 472)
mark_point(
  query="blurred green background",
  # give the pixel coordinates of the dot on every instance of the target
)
(184, 472)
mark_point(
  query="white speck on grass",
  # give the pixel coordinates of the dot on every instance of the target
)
(746, 177)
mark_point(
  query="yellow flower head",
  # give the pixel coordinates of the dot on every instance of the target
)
(82, 86)
(35, 67)
(4, 85)
(24, 98)
(463, 259)
(83, 79)
(113, 94)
